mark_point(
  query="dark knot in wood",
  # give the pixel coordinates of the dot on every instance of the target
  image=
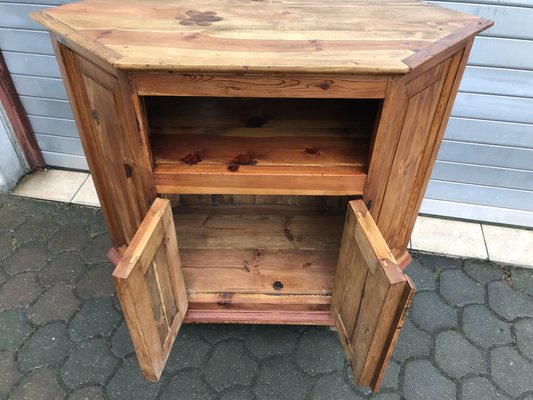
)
(200, 18)
(192, 159)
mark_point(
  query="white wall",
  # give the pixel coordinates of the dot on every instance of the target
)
(12, 167)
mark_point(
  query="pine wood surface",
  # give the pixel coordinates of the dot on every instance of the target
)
(245, 36)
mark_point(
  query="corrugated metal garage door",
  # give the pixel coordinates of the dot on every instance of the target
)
(485, 166)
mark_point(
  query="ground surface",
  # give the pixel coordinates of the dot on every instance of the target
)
(469, 334)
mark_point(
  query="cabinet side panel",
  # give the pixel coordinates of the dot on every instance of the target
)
(114, 152)
(412, 125)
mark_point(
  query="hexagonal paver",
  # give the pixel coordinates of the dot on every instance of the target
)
(8, 372)
(438, 263)
(27, 257)
(19, 291)
(508, 303)
(14, 329)
(333, 387)
(523, 279)
(217, 333)
(280, 379)
(72, 214)
(6, 244)
(57, 303)
(187, 385)
(422, 276)
(96, 250)
(426, 306)
(121, 344)
(237, 394)
(189, 350)
(39, 384)
(88, 393)
(90, 362)
(267, 340)
(97, 282)
(129, 383)
(524, 336)
(320, 352)
(412, 342)
(63, 268)
(459, 289)
(96, 317)
(423, 381)
(456, 356)
(512, 372)
(479, 388)
(485, 329)
(391, 378)
(3, 276)
(229, 365)
(482, 271)
(10, 218)
(96, 224)
(47, 347)
(68, 238)
(38, 227)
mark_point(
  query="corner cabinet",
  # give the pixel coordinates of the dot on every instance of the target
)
(262, 162)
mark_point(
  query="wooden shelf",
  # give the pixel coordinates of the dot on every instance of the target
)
(260, 146)
(232, 260)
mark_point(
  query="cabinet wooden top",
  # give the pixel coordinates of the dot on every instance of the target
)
(258, 36)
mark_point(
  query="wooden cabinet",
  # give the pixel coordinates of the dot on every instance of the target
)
(294, 141)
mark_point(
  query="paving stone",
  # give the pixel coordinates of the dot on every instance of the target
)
(58, 303)
(508, 303)
(71, 214)
(392, 376)
(8, 372)
(320, 352)
(456, 356)
(14, 329)
(6, 244)
(27, 257)
(189, 350)
(438, 263)
(34, 207)
(523, 279)
(279, 379)
(63, 268)
(431, 313)
(10, 218)
(423, 277)
(88, 393)
(412, 342)
(423, 381)
(187, 385)
(482, 327)
(97, 282)
(482, 271)
(91, 362)
(510, 371)
(229, 365)
(47, 347)
(215, 333)
(237, 394)
(39, 384)
(96, 224)
(3, 276)
(386, 396)
(121, 344)
(19, 291)
(267, 340)
(479, 388)
(129, 383)
(68, 238)
(96, 250)
(333, 387)
(524, 337)
(96, 317)
(459, 289)
(39, 227)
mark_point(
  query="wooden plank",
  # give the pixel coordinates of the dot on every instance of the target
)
(250, 179)
(44, 107)
(18, 119)
(59, 144)
(502, 53)
(370, 299)
(16, 15)
(151, 294)
(53, 126)
(32, 64)
(497, 81)
(37, 86)
(25, 41)
(517, 3)
(499, 108)
(63, 160)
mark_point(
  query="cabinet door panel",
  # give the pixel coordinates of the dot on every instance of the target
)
(370, 299)
(151, 290)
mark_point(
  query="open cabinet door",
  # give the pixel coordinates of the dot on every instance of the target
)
(370, 299)
(151, 289)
